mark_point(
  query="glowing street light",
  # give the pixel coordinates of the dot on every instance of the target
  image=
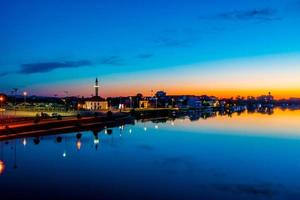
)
(25, 95)
(1, 101)
(2, 166)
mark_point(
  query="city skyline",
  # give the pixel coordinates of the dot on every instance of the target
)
(183, 47)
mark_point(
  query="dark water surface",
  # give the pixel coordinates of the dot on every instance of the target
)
(250, 156)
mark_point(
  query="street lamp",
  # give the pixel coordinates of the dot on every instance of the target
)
(130, 98)
(55, 102)
(66, 93)
(1, 100)
(14, 91)
(173, 102)
(1, 107)
(25, 95)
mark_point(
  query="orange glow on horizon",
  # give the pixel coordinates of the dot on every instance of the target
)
(249, 76)
(116, 90)
(228, 93)
(225, 93)
(176, 87)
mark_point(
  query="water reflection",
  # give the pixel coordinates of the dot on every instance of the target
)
(37, 140)
(24, 142)
(176, 120)
(78, 142)
(96, 142)
(64, 154)
(2, 167)
(194, 152)
(59, 139)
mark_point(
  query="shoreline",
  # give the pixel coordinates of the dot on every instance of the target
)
(96, 124)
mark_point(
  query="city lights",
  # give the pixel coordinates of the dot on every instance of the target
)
(96, 141)
(24, 142)
(78, 145)
(2, 166)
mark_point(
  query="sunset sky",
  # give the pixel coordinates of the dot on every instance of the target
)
(223, 48)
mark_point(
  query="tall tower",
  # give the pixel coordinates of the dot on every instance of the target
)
(96, 86)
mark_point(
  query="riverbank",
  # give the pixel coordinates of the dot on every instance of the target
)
(68, 124)
(24, 126)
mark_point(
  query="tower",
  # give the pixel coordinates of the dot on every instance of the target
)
(96, 86)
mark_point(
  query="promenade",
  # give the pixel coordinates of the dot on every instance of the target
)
(66, 124)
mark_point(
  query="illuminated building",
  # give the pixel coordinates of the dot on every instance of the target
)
(144, 104)
(96, 102)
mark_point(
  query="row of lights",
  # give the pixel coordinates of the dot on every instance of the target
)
(2, 98)
(96, 140)
(78, 143)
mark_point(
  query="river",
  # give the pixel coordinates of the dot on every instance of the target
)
(241, 156)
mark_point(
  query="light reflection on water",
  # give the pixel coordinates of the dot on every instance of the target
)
(247, 156)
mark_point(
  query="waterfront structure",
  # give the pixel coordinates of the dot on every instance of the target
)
(194, 102)
(96, 102)
(266, 100)
(144, 104)
(210, 101)
(96, 86)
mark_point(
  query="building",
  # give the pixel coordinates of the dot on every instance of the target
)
(266, 100)
(194, 102)
(96, 102)
(209, 101)
(144, 104)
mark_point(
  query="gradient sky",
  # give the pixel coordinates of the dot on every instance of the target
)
(224, 48)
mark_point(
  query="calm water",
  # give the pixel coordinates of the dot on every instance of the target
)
(250, 156)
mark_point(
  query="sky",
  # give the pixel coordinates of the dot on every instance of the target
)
(214, 47)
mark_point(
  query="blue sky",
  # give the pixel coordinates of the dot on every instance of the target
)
(51, 46)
